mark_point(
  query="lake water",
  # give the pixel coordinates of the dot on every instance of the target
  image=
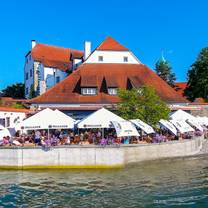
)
(165, 183)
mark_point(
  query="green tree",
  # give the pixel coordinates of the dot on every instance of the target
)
(198, 77)
(142, 103)
(164, 70)
(32, 91)
(14, 91)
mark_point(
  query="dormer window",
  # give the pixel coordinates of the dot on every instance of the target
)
(125, 59)
(89, 91)
(100, 58)
(112, 91)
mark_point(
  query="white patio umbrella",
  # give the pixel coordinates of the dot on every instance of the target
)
(202, 120)
(168, 125)
(48, 119)
(195, 123)
(64, 121)
(142, 125)
(182, 126)
(181, 115)
(4, 132)
(101, 118)
(125, 128)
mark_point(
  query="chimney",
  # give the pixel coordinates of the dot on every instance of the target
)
(33, 43)
(87, 49)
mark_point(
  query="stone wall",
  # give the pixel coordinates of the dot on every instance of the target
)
(94, 156)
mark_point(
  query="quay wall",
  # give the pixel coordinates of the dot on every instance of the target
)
(94, 156)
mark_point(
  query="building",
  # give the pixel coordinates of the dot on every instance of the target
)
(95, 82)
(47, 65)
(11, 117)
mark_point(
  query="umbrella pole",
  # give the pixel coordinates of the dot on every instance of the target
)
(103, 132)
(48, 133)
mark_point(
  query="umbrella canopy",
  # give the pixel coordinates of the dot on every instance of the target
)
(125, 128)
(181, 115)
(195, 123)
(4, 132)
(101, 118)
(202, 120)
(168, 125)
(65, 119)
(142, 125)
(182, 126)
(48, 119)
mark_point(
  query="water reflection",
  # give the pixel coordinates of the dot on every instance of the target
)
(162, 183)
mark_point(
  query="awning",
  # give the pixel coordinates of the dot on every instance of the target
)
(99, 119)
(182, 126)
(142, 125)
(125, 128)
(168, 125)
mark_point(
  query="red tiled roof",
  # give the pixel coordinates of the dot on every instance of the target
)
(68, 90)
(6, 109)
(109, 44)
(53, 56)
(180, 87)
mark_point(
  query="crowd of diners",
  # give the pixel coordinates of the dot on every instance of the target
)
(90, 137)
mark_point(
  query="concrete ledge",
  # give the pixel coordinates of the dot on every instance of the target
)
(92, 156)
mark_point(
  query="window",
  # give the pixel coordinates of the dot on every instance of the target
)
(7, 121)
(31, 73)
(112, 91)
(27, 76)
(57, 79)
(26, 91)
(125, 59)
(100, 58)
(89, 91)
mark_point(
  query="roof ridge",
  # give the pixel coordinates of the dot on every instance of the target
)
(58, 47)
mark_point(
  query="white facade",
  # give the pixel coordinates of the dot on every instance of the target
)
(40, 77)
(11, 119)
(114, 57)
(48, 77)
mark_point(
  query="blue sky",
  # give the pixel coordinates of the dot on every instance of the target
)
(178, 27)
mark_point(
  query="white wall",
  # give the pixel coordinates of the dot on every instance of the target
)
(14, 117)
(50, 76)
(44, 78)
(94, 156)
(112, 57)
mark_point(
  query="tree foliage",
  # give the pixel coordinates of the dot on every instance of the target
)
(198, 77)
(32, 91)
(14, 91)
(142, 103)
(164, 70)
